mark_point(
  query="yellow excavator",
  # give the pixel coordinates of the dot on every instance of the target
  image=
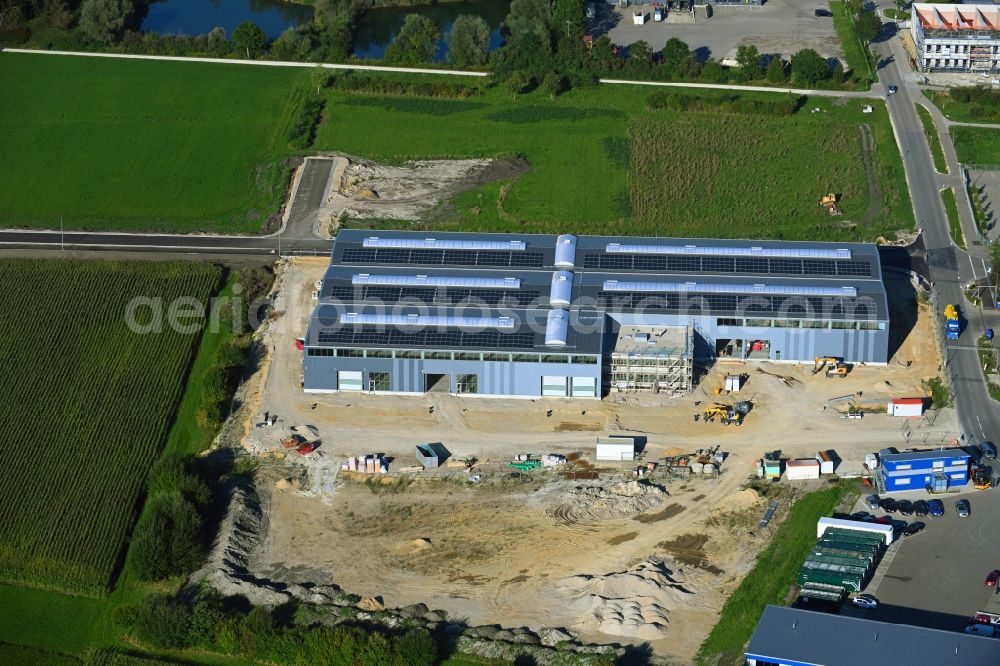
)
(728, 414)
(835, 367)
(829, 201)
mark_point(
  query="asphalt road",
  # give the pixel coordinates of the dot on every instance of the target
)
(949, 267)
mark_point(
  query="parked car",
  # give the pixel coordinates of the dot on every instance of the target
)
(865, 601)
(935, 508)
(981, 630)
(860, 515)
(914, 528)
(905, 507)
(989, 450)
(893, 90)
(963, 508)
(884, 520)
(920, 508)
(888, 505)
(872, 502)
(991, 579)
(827, 12)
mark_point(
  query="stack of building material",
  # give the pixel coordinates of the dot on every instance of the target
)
(553, 459)
(373, 463)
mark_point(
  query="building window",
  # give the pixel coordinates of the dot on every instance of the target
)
(812, 323)
(525, 358)
(555, 358)
(504, 358)
(554, 386)
(468, 383)
(844, 325)
(905, 466)
(786, 323)
(350, 353)
(584, 387)
(761, 323)
(904, 481)
(725, 321)
(408, 353)
(438, 356)
(871, 325)
(379, 381)
(379, 353)
(584, 360)
(468, 356)
(318, 351)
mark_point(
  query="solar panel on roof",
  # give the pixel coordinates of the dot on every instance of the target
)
(442, 244)
(505, 323)
(437, 281)
(787, 290)
(790, 252)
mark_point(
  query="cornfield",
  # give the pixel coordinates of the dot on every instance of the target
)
(86, 408)
(705, 174)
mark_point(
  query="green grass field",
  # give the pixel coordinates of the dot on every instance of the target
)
(857, 57)
(977, 145)
(954, 221)
(88, 405)
(132, 145)
(768, 582)
(930, 131)
(589, 175)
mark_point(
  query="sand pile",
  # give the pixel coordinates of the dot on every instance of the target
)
(413, 546)
(595, 504)
(634, 603)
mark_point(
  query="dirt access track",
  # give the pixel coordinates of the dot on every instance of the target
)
(608, 559)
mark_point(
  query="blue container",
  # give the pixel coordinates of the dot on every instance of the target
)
(989, 334)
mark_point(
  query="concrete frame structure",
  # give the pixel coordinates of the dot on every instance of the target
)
(546, 316)
(956, 38)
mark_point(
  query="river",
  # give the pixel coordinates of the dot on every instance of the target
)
(375, 31)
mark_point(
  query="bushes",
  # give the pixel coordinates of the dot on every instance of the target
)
(940, 396)
(303, 129)
(163, 622)
(983, 103)
(360, 83)
(725, 103)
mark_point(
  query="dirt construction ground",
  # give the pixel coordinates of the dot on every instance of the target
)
(608, 559)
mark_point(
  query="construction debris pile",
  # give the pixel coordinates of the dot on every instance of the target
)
(595, 504)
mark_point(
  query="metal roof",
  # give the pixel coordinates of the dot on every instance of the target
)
(437, 281)
(732, 251)
(708, 288)
(442, 243)
(795, 636)
(924, 455)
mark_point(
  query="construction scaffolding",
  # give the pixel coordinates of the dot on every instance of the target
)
(653, 360)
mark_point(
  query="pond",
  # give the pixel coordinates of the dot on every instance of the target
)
(198, 17)
(378, 27)
(375, 30)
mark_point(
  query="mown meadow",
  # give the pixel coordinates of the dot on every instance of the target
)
(131, 145)
(88, 403)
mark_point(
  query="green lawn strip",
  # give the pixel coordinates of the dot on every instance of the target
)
(930, 131)
(988, 362)
(977, 145)
(142, 145)
(49, 620)
(954, 221)
(964, 112)
(771, 578)
(580, 160)
(855, 52)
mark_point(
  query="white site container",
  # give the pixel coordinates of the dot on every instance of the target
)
(906, 407)
(733, 383)
(825, 462)
(884, 530)
(638, 18)
(617, 449)
(800, 470)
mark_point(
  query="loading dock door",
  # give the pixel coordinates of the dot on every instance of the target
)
(554, 386)
(349, 380)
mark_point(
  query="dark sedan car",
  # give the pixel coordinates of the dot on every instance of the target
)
(905, 507)
(888, 505)
(913, 528)
(989, 450)
(935, 508)
(920, 508)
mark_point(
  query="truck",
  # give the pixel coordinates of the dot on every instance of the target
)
(952, 324)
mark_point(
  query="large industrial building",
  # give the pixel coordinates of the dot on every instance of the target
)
(797, 637)
(567, 316)
(956, 38)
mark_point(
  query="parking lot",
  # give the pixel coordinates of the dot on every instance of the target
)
(936, 578)
(779, 27)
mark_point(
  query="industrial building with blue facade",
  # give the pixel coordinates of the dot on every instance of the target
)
(923, 470)
(565, 316)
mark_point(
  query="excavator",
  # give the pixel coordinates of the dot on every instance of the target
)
(835, 367)
(829, 201)
(728, 414)
(982, 477)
